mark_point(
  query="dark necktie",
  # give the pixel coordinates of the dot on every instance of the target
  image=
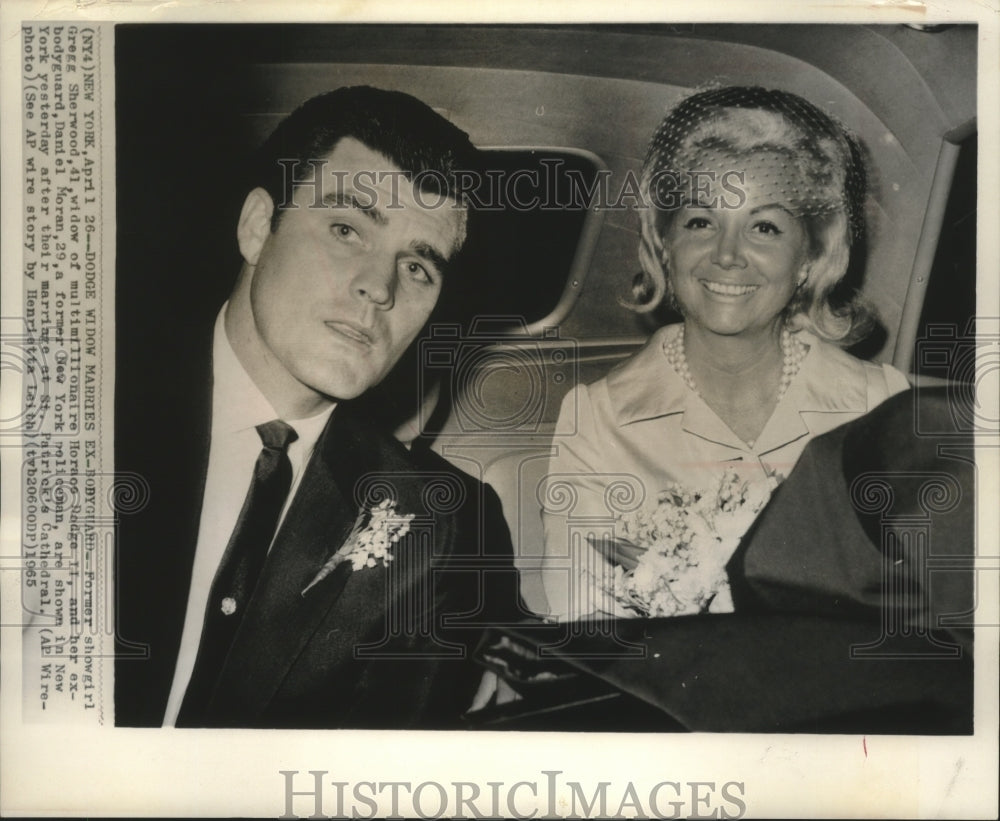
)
(240, 567)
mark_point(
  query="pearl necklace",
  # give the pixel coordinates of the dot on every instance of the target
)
(793, 351)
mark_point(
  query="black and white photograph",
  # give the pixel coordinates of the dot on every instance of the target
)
(505, 416)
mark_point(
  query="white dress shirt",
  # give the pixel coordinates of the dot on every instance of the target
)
(238, 407)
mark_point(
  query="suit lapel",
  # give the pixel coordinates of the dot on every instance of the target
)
(280, 620)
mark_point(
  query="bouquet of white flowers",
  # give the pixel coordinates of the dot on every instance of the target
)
(670, 560)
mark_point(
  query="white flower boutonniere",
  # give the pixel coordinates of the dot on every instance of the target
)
(366, 544)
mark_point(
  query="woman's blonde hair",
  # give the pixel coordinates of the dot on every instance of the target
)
(817, 171)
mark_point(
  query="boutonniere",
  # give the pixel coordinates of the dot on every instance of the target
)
(367, 543)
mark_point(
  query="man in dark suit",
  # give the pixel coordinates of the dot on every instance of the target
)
(347, 585)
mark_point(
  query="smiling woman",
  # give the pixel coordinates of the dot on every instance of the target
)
(735, 269)
(753, 199)
(573, 107)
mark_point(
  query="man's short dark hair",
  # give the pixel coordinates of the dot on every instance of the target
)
(429, 150)
(408, 132)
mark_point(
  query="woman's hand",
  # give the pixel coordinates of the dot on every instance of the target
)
(493, 691)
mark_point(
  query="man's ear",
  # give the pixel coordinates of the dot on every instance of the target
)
(255, 224)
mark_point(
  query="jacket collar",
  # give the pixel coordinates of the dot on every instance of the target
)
(281, 620)
(647, 387)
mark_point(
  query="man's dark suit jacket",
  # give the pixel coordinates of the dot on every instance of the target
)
(382, 647)
(854, 599)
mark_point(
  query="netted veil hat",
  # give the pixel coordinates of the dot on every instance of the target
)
(790, 150)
